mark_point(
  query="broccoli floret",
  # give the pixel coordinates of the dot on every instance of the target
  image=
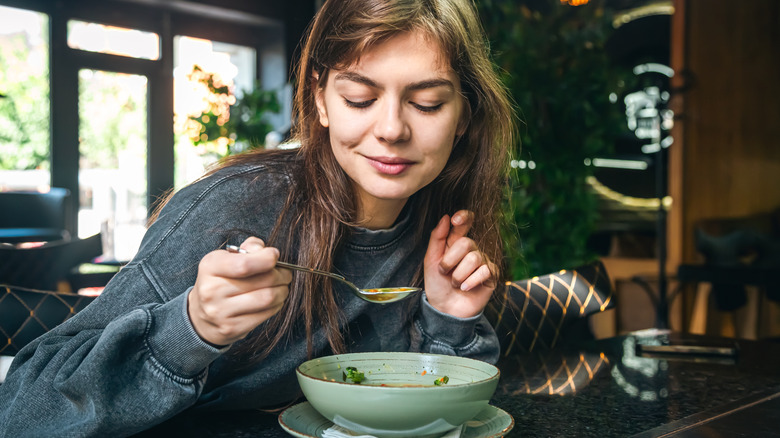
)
(353, 374)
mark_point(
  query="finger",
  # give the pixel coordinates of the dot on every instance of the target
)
(482, 276)
(468, 263)
(272, 278)
(260, 301)
(240, 265)
(438, 241)
(461, 224)
(244, 324)
(455, 254)
(252, 244)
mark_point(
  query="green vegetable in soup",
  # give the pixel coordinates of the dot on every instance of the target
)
(441, 381)
(353, 374)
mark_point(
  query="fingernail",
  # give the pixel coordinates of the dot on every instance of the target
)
(457, 219)
(464, 286)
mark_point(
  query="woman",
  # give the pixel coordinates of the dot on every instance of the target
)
(403, 126)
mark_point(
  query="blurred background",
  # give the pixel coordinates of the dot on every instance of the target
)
(641, 122)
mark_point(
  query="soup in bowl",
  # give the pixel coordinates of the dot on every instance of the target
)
(392, 394)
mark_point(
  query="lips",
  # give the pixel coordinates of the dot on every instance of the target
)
(390, 165)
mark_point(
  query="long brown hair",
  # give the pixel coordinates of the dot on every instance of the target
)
(323, 201)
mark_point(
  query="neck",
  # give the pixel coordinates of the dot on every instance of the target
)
(379, 214)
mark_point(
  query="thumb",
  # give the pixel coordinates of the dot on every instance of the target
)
(438, 241)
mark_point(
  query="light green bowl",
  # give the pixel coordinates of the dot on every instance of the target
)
(393, 411)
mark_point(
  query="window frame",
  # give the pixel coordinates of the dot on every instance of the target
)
(265, 34)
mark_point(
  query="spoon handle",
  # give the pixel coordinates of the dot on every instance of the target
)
(281, 264)
(382, 296)
(311, 270)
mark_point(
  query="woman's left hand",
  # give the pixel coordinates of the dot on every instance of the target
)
(459, 278)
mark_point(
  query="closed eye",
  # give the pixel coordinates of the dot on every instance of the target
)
(360, 104)
(427, 108)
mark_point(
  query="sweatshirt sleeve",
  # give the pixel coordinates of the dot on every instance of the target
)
(107, 372)
(437, 332)
(131, 359)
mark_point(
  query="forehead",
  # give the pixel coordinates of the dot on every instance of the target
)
(412, 45)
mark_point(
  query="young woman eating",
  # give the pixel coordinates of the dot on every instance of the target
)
(404, 130)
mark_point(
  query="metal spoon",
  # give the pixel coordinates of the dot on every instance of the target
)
(379, 295)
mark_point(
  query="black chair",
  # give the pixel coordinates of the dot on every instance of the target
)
(26, 314)
(27, 216)
(43, 267)
(542, 312)
(736, 252)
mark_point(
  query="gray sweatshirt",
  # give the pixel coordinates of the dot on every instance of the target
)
(132, 359)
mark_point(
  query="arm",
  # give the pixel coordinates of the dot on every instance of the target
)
(126, 362)
(440, 333)
(133, 358)
(459, 281)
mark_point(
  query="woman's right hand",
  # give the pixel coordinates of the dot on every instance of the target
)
(234, 293)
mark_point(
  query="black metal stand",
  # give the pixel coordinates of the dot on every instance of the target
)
(662, 309)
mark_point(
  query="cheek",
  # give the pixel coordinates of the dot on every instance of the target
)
(344, 135)
(346, 129)
(437, 140)
(438, 148)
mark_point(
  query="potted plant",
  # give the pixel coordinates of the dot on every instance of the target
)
(234, 123)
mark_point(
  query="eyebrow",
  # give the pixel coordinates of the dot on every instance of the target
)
(429, 83)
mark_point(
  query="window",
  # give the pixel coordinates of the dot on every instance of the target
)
(94, 37)
(230, 65)
(112, 163)
(24, 103)
(99, 120)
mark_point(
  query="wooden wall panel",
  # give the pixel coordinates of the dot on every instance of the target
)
(729, 131)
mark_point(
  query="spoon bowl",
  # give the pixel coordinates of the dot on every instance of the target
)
(381, 295)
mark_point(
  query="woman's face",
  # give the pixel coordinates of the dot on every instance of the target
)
(392, 119)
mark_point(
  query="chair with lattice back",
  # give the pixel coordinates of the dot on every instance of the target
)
(542, 312)
(26, 314)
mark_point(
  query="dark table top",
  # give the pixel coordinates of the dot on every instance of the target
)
(604, 388)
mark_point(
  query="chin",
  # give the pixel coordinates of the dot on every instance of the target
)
(387, 194)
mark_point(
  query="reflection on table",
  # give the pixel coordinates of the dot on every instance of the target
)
(606, 388)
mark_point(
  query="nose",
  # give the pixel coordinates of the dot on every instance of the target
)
(390, 125)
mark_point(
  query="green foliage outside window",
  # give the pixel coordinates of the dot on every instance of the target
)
(233, 124)
(560, 78)
(24, 105)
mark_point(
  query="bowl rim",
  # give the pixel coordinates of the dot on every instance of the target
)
(494, 376)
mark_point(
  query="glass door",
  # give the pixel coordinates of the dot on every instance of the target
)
(114, 69)
(113, 159)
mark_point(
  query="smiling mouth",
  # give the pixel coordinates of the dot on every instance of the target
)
(390, 165)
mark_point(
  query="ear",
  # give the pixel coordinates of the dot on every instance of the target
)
(319, 100)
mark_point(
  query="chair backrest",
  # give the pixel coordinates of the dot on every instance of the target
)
(26, 314)
(751, 241)
(542, 312)
(42, 267)
(45, 212)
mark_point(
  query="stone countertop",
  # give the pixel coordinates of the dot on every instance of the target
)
(607, 390)
(604, 388)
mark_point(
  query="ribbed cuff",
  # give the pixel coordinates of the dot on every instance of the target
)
(175, 343)
(442, 327)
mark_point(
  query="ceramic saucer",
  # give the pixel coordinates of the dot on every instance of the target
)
(303, 421)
